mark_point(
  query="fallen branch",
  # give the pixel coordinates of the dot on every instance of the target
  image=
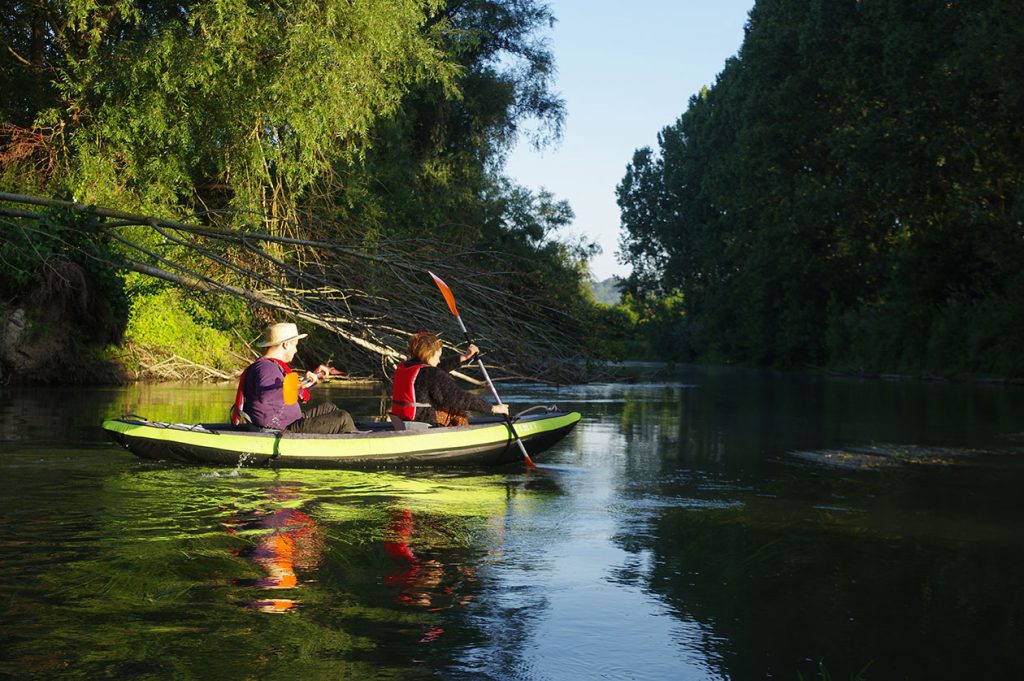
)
(370, 297)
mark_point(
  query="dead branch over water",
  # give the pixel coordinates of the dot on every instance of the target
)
(369, 294)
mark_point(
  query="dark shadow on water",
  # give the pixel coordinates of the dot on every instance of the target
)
(789, 545)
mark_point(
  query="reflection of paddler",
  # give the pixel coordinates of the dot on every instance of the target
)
(275, 553)
(294, 541)
(273, 605)
(399, 532)
(419, 580)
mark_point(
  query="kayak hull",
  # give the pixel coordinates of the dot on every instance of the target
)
(485, 442)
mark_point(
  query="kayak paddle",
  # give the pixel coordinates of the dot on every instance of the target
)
(450, 299)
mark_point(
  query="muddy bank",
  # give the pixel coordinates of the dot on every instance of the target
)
(50, 344)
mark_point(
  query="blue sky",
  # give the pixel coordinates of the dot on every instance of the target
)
(625, 70)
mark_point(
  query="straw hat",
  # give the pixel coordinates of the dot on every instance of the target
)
(279, 333)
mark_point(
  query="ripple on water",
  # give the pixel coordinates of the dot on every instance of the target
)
(883, 456)
(638, 507)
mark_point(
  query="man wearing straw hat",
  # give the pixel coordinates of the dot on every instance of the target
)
(269, 391)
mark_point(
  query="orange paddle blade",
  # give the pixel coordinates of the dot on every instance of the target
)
(446, 292)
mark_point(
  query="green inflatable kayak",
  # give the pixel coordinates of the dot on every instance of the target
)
(484, 442)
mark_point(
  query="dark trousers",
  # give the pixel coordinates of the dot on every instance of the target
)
(324, 418)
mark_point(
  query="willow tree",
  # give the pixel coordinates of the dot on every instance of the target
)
(365, 121)
(213, 103)
(434, 167)
(434, 170)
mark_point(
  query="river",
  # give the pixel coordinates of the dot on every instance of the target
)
(699, 523)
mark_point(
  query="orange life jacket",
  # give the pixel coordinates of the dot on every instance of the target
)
(403, 394)
(291, 387)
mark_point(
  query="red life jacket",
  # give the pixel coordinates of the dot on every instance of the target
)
(238, 414)
(403, 394)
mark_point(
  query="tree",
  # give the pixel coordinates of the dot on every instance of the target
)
(383, 126)
(215, 102)
(845, 192)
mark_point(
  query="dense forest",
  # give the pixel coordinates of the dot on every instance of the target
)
(311, 125)
(849, 193)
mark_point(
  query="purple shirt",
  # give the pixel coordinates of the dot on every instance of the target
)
(264, 396)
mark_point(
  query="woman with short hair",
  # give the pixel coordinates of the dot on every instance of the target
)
(423, 390)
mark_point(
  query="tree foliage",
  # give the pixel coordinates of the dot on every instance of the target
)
(434, 169)
(355, 120)
(216, 102)
(848, 192)
(64, 262)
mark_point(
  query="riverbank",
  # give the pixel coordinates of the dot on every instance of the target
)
(49, 346)
(54, 343)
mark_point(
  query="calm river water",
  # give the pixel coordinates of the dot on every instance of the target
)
(701, 523)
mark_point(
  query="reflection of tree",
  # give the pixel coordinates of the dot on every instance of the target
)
(140, 581)
(777, 593)
(66, 414)
(732, 417)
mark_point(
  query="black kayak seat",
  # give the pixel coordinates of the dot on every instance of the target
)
(398, 423)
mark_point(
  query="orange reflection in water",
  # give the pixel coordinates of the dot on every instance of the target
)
(290, 541)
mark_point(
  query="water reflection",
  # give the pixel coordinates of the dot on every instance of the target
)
(767, 513)
(287, 545)
(715, 524)
(375, 570)
(423, 580)
(285, 540)
(72, 413)
(779, 589)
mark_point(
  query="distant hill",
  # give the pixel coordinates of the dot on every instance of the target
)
(606, 291)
